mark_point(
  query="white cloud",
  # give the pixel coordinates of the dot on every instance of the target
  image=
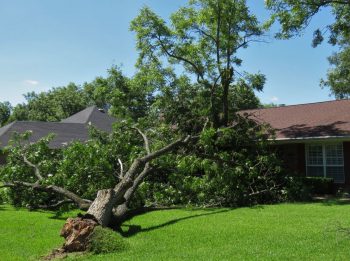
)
(31, 82)
(274, 99)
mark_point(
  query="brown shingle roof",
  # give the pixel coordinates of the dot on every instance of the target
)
(313, 120)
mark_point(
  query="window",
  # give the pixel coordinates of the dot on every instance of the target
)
(325, 160)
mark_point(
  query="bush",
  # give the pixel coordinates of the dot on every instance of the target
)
(3, 196)
(296, 190)
(105, 240)
(302, 188)
(319, 185)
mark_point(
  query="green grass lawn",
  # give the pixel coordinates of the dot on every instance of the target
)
(274, 232)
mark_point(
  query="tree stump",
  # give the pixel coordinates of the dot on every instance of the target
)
(76, 232)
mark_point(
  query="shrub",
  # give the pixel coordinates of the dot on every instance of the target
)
(319, 185)
(105, 240)
(302, 188)
(296, 190)
(3, 197)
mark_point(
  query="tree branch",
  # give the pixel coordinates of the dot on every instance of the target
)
(36, 169)
(183, 59)
(55, 205)
(218, 41)
(145, 140)
(82, 203)
(121, 174)
(167, 148)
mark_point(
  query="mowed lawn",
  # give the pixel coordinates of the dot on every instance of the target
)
(310, 231)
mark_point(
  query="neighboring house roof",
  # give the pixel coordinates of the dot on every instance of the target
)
(66, 131)
(92, 115)
(330, 119)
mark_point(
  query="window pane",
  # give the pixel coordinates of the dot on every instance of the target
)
(337, 173)
(314, 155)
(334, 154)
(315, 171)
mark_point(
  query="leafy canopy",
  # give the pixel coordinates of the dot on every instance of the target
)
(202, 38)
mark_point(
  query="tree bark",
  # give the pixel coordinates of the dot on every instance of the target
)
(102, 206)
(120, 211)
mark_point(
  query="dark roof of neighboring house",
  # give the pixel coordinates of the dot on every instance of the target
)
(68, 130)
(93, 115)
(314, 120)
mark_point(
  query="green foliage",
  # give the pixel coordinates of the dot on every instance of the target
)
(54, 105)
(232, 167)
(19, 113)
(338, 77)
(5, 112)
(319, 185)
(85, 169)
(228, 167)
(294, 16)
(296, 190)
(15, 169)
(3, 196)
(81, 168)
(202, 38)
(105, 240)
(303, 188)
(119, 95)
(125, 98)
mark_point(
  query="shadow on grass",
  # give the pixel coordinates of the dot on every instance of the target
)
(63, 215)
(135, 229)
(336, 202)
(257, 207)
(58, 217)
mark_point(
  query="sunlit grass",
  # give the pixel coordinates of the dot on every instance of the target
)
(274, 232)
(26, 235)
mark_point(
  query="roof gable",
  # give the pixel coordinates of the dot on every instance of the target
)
(80, 117)
(92, 115)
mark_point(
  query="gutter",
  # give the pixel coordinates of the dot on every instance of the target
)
(317, 138)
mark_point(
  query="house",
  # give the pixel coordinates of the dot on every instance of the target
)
(75, 127)
(312, 139)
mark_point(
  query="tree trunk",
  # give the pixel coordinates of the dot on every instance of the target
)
(225, 105)
(214, 109)
(101, 207)
(77, 231)
(120, 213)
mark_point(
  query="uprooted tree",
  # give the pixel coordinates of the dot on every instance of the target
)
(230, 165)
(190, 129)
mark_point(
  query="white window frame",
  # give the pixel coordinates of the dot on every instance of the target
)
(324, 159)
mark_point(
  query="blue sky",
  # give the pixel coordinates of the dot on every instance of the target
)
(45, 44)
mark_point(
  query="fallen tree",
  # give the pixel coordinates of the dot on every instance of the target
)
(111, 205)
